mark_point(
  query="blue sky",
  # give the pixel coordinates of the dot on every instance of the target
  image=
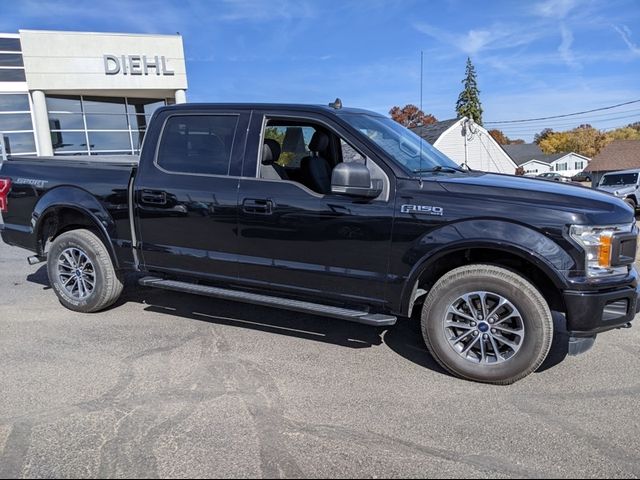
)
(533, 59)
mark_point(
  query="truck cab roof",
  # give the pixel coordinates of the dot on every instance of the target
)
(289, 107)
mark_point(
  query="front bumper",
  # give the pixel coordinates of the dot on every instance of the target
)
(590, 313)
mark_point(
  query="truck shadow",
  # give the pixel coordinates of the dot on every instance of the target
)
(404, 339)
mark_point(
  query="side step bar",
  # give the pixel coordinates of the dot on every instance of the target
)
(267, 301)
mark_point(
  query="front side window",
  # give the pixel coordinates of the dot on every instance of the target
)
(294, 143)
(197, 144)
(350, 154)
(306, 152)
(401, 144)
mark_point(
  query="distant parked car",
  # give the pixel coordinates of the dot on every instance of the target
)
(581, 177)
(553, 176)
(624, 185)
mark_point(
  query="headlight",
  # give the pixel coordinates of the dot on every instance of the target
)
(596, 242)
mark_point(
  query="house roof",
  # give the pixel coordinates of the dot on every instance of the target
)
(525, 152)
(431, 133)
(618, 155)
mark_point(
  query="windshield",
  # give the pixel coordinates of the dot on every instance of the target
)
(619, 179)
(400, 143)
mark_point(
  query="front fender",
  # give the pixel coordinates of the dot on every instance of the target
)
(79, 200)
(513, 238)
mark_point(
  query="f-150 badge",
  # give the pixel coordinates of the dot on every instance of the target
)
(422, 209)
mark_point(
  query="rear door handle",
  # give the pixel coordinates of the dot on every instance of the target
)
(153, 197)
(257, 206)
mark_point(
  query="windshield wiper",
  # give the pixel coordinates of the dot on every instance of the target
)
(440, 168)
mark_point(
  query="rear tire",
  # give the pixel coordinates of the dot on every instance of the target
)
(499, 345)
(81, 272)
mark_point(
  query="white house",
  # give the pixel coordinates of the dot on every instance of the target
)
(530, 157)
(535, 167)
(570, 164)
(467, 143)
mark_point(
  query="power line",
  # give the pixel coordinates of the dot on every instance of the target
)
(566, 115)
(535, 129)
(598, 117)
(532, 133)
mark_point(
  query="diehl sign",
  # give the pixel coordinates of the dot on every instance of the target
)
(135, 65)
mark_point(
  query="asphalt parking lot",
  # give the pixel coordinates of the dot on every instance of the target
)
(173, 385)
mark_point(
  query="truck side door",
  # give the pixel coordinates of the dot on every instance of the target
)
(304, 242)
(185, 193)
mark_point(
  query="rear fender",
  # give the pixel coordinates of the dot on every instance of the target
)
(81, 201)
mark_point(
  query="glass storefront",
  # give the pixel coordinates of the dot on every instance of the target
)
(16, 124)
(82, 125)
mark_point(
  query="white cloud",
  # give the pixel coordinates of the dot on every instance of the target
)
(555, 8)
(565, 47)
(625, 33)
(474, 41)
(259, 10)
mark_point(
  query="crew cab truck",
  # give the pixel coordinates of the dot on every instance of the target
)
(338, 212)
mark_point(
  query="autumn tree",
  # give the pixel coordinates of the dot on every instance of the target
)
(502, 139)
(584, 140)
(538, 137)
(625, 133)
(411, 116)
(499, 136)
(468, 104)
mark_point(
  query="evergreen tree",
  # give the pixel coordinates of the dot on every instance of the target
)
(468, 104)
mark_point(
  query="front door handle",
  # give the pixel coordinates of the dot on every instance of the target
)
(257, 206)
(153, 197)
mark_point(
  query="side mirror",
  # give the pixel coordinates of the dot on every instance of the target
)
(354, 179)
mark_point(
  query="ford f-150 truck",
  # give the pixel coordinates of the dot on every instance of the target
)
(338, 212)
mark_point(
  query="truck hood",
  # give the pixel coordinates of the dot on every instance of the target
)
(585, 205)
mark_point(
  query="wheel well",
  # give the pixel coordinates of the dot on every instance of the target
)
(62, 220)
(527, 269)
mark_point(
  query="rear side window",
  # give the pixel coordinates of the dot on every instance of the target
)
(198, 144)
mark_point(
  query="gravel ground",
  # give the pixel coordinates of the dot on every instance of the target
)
(173, 385)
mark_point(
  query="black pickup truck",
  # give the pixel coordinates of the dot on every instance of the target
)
(338, 212)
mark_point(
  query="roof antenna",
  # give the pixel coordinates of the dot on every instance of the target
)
(337, 104)
(421, 84)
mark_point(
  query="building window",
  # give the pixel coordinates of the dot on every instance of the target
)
(82, 125)
(10, 45)
(11, 63)
(16, 125)
(579, 165)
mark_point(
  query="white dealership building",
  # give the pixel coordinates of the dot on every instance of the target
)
(72, 93)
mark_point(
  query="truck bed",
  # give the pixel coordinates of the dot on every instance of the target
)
(97, 184)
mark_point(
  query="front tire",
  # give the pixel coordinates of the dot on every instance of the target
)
(487, 324)
(81, 272)
(631, 203)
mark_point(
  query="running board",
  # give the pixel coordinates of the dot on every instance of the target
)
(267, 301)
